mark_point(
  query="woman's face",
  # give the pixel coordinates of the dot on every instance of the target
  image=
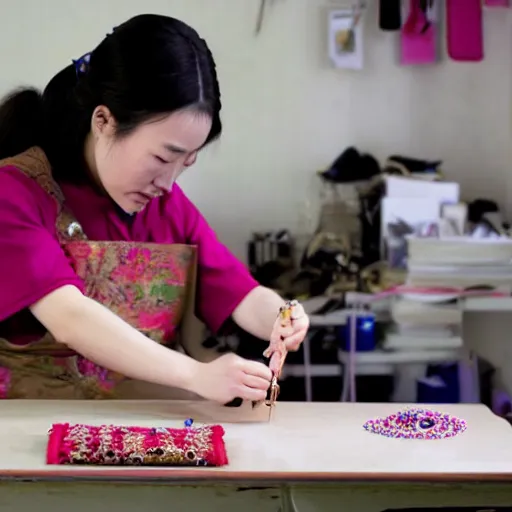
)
(135, 168)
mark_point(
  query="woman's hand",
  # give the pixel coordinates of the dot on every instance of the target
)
(257, 312)
(230, 377)
(295, 334)
(290, 329)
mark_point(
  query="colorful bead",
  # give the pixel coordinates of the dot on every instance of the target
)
(188, 422)
(415, 423)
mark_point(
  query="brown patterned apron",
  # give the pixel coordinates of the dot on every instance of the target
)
(147, 285)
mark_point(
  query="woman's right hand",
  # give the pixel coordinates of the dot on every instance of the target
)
(230, 377)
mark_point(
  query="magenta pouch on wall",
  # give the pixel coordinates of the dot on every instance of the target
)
(464, 30)
(418, 37)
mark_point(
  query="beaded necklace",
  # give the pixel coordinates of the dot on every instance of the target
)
(415, 423)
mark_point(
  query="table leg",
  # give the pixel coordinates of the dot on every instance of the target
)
(345, 383)
(308, 378)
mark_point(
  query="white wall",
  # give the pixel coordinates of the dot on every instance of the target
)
(288, 113)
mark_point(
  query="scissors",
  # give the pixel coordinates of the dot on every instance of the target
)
(271, 402)
(285, 317)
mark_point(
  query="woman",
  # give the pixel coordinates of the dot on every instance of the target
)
(99, 245)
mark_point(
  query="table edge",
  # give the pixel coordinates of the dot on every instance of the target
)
(206, 476)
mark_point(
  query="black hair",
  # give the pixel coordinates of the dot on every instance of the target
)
(150, 65)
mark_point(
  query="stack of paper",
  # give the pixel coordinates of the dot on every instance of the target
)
(412, 207)
(420, 325)
(460, 262)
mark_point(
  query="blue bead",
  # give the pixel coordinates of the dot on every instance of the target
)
(188, 422)
(427, 423)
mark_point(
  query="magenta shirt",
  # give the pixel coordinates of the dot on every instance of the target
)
(32, 263)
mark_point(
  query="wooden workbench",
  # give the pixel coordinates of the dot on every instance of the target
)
(310, 456)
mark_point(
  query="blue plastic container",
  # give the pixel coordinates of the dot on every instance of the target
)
(431, 392)
(365, 332)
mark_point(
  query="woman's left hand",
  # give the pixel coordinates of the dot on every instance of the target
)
(298, 330)
(290, 329)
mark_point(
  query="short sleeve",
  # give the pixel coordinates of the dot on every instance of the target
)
(223, 281)
(32, 262)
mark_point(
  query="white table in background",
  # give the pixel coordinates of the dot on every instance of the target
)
(339, 319)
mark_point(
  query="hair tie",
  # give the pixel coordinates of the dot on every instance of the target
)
(82, 64)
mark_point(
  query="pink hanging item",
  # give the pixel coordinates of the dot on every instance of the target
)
(464, 30)
(418, 44)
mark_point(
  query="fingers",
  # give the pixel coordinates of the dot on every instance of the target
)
(276, 364)
(285, 331)
(279, 329)
(294, 342)
(254, 395)
(301, 323)
(298, 312)
(300, 329)
(257, 370)
(256, 382)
